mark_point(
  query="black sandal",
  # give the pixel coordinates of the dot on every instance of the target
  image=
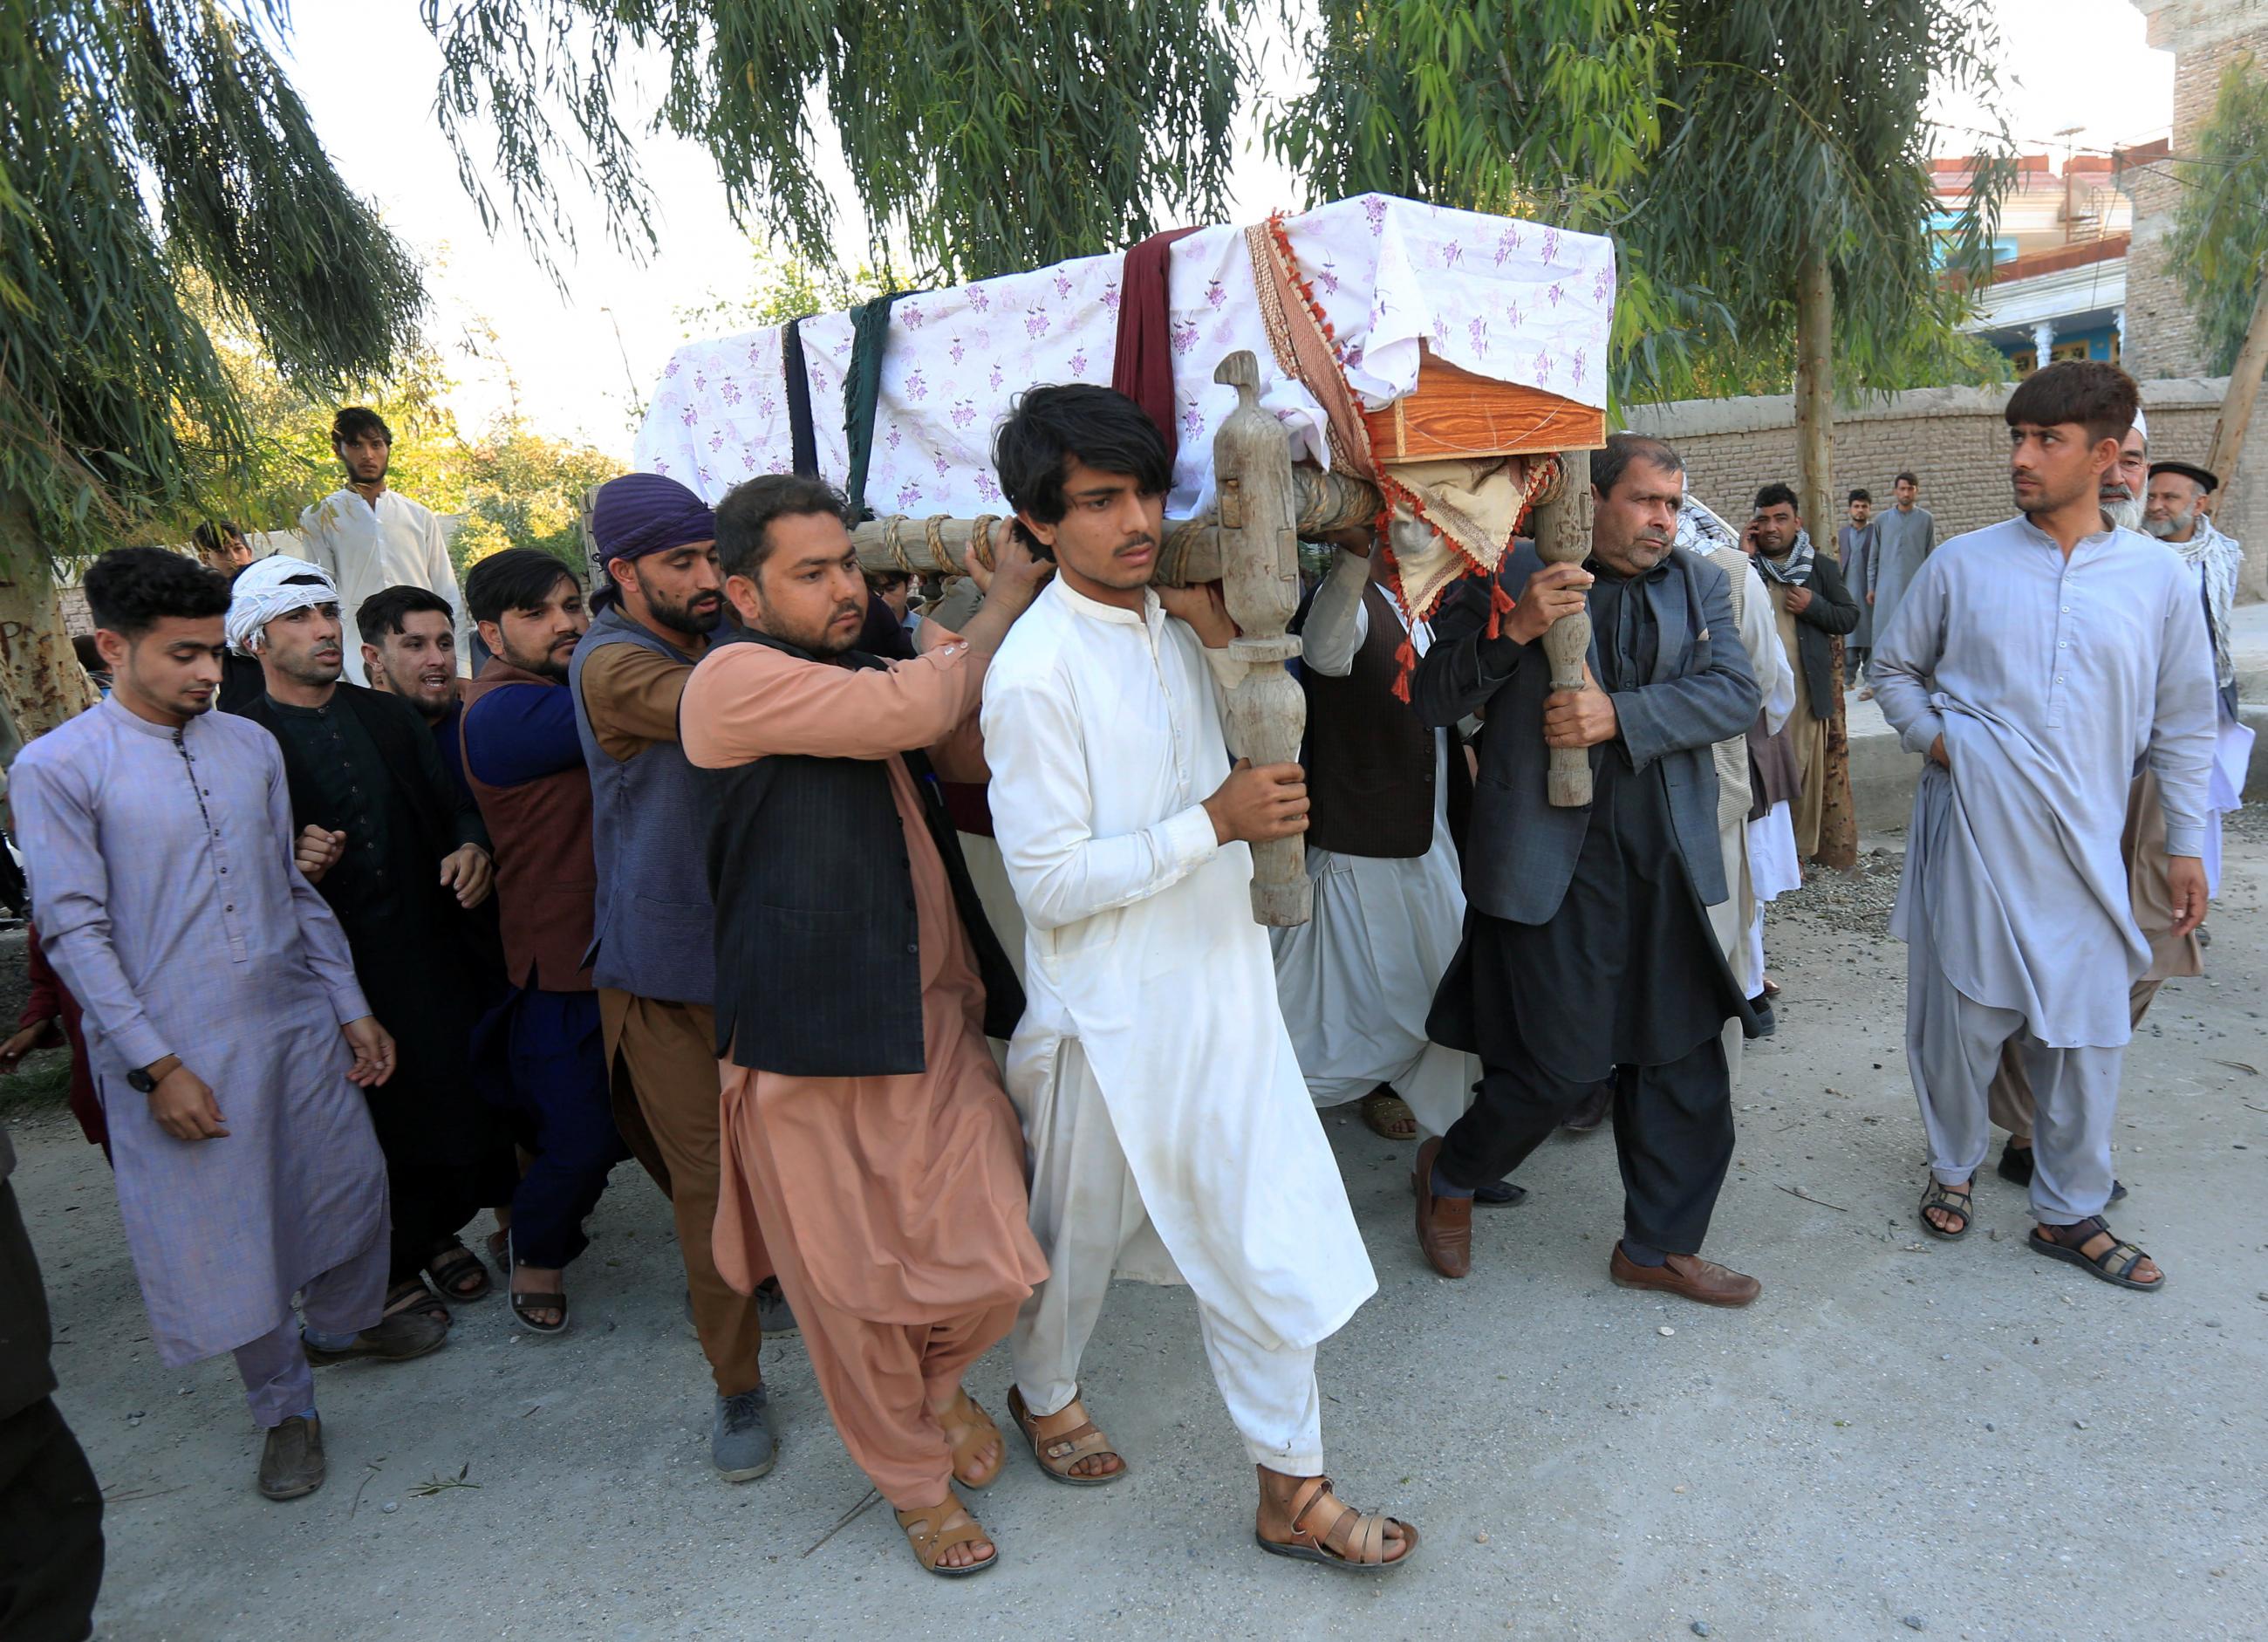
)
(2126, 1256)
(1947, 1201)
(523, 1300)
(450, 1265)
(411, 1294)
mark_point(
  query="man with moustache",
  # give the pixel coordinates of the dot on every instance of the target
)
(651, 956)
(401, 857)
(410, 650)
(217, 988)
(2037, 663)
(1812, 608)
(1588, 953)
(366, 537)
(1172, 1135)
(525, 760)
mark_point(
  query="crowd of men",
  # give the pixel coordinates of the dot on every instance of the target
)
(916, 967)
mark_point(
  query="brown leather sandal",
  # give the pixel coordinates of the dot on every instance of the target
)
(933, 1532)
(966, 1429)
(1388, 1115)
(1351, 1541)
(1063, 1439)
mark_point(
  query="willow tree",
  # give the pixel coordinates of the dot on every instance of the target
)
(1762, 164)
(146, 142)
(981, 135)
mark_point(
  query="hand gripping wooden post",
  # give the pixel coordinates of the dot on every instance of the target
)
(1258, 537)
(1562, 536)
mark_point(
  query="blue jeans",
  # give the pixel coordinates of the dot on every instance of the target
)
(554, 1083)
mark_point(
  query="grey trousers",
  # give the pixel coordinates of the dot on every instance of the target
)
(1953, 1048)
(346, 1299)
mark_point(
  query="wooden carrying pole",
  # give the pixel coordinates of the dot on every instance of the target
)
(1562, 536)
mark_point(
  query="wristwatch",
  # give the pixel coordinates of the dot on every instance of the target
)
(138, 1078)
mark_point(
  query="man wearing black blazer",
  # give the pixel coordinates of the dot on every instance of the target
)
(1588, 951)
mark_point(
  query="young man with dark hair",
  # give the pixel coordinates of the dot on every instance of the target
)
(230, 1037)
(1812, 608)
(221, 546)
(410, 650)
(525, 764)
(2037, 663)
(652, 941)
(855, 980)
(1172, 1135)
(1854, 550)
(401, 857)
(1588, 953)
(367, 537)
(1904, 538)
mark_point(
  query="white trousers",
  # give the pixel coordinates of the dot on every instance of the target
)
(1953, 1048)
(1087, 1213)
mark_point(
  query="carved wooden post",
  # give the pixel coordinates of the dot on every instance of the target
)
(1260, 575)
(1562, 536)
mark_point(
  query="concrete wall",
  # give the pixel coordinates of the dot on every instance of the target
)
(1951, 437)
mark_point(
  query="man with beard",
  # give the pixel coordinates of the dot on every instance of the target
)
(1812, 608)
(2036, 663)
(401, 857)
(653, 954)
(410, 650)
(217, 988)
(1170, 1133)
(366, 537)
(2175, 515)
(855, 979)
(1588, 953)
(1854, 546)
(526, 763)
(1902, 540)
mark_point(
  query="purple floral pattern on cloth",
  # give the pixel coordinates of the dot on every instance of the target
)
(1513, 301)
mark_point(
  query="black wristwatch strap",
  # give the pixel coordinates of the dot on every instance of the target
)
(139, 1080)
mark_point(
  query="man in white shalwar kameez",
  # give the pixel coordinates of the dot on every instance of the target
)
(1170, 1131)
(2036, 663)
(1357, 980)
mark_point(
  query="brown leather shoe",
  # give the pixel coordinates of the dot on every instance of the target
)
(1445, 1225)
(1688, 1275)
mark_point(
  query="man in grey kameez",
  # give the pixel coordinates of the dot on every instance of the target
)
(223, 1022)
(2036, 663)
(1903, 537)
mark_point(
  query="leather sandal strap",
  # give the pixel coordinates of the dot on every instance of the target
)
(934, 1531)
(1311, 1492)
(1065, 1437)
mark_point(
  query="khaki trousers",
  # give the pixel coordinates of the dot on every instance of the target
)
(668, 1052)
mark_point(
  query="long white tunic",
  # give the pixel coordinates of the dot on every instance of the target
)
(367, 549)
(2050, 679)
(1104, 731)
(1356, 981)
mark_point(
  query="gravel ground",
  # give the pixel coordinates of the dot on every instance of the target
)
(1902, 1433)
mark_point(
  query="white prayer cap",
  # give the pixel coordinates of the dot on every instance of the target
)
(269, 587)
(2141, 424)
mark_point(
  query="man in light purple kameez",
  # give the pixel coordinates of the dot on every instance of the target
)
(227, 1032)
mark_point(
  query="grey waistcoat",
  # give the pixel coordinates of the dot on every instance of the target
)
(652, 931)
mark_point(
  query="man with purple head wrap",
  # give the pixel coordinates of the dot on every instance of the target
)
(660, 598)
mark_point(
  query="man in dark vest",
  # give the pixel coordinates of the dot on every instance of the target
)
(1388, 795)
(1588, 953)
(525, 764)
(865, 1121)
(653, 925)
(402, 858)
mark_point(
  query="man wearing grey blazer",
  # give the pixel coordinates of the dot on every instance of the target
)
(1587, 954)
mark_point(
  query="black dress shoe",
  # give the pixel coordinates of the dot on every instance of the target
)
(2015, 1168)
(1767, 1023)
(292, 1459)
(1499, 1194)
(1594, 1110)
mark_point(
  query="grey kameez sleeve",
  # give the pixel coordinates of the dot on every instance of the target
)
(1905, 663)
(1337, 621)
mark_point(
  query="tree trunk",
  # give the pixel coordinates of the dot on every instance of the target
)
(1815, 397)
(42, 682)
(2224, 457)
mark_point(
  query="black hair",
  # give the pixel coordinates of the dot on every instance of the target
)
(1773, 495)
(355, 421)
(1609, 465)
(744, 518)
(385, 610)
(1908, 477)
(1860, 495)
(517, 578)
(214, 534)
(2092, 392)
(881, 581)
(1101, 426)
(130, 590)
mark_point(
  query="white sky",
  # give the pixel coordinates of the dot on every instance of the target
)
(368, 74)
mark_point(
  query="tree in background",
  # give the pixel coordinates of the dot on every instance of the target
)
(2219, 247)
(143, 142)
(783, 286)
(520, 488)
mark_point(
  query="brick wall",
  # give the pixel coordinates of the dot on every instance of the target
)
(1951, 437)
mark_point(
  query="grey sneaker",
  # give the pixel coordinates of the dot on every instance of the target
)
(740, 1436)
(291, 1462)
(772, 1314)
